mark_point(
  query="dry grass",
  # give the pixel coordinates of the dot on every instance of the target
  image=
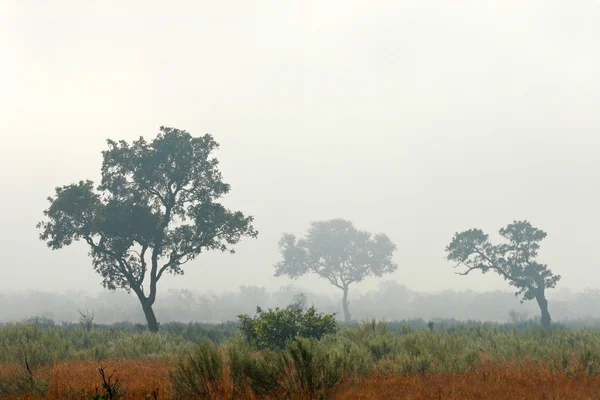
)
(531, 381)
(138, 378)
(76, 380)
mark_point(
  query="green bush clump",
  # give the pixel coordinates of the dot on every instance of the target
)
(274, 329)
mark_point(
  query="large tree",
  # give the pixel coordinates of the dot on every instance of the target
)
(155, 210)
(514, 260)
(338, 252)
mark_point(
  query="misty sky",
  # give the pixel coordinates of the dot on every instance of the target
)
(413, 118)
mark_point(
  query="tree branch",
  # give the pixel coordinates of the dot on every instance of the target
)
(331, 278)
(469, 269)
(123, 266)
(143, 263)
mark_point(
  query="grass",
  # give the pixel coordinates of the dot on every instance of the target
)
(488, 380)
(409, 360)
(498, 381)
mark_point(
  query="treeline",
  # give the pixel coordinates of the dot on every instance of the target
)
(390, 301)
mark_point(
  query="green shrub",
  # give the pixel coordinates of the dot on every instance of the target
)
(316, 370)
(199, 374)
(273, 329)
(308, 368)
(265, 372)
(238, 354)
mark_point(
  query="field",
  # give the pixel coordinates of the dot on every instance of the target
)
(402, 360)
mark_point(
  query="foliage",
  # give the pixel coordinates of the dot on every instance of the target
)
(514, 260)
(364, 347)
(155, 210)
(306, 368)
(316, 371)
(273, 329)
(260, 372)
(338, 252)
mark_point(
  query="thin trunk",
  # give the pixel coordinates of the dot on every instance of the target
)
(543, 303)
(150, 317)
(345, 302)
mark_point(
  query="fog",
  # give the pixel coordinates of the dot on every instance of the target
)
(389, 301)
(413, 118)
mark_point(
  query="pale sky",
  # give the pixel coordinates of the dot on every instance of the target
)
(412, 118)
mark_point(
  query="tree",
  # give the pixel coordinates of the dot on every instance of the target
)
(513, 260)
(155, 210)
(299, 302)
(338, 252)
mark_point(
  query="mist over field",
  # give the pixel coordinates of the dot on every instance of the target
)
(416, 119)
(389, 302)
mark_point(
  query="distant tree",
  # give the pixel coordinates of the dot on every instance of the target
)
(86, 319)
(299, 302)
(338, 252)
(154, 211)
(513, 260)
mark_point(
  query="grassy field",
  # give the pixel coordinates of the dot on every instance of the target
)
(403, 360)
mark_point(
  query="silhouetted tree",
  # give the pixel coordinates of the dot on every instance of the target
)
(154, 211)
(513, 260)
(338, 252)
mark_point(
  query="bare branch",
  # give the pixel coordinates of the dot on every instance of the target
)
(469, 269)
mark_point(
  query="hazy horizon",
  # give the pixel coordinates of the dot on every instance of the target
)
(413, 118)
(389, 302)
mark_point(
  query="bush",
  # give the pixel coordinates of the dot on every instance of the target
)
(264, 372)
(273, 329)
(309, 368)
(316, 369)
(199, 375)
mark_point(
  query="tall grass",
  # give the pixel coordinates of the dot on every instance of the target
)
(404, 347)
(199, 374)
(43, 342)
(307, 369)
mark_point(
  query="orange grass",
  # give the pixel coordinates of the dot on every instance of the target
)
(76, 380)
(137, 378)
(489, 381)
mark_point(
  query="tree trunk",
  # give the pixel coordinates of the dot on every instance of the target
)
(150, 317)
(543, 303)
(345, 302)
